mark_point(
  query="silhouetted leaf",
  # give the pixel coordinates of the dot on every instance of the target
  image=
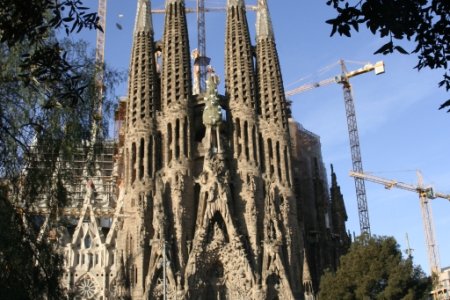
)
(401, 50)
(386, 48)
(424, 22)
(445, 104)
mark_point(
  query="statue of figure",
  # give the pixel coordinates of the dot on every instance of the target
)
(196, 72)
(212, 194)
(212, 114)
(158, 209)
(212, 82)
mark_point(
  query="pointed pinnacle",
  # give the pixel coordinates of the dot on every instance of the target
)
(263, 22)
(173, 1)
(333, 177)
(232, 3)
(306, 272)
(143, 17)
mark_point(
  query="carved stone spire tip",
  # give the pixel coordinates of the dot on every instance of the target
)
(232, 3)
(263, 22)
(174, 1)
(306, 272)
(143, 16)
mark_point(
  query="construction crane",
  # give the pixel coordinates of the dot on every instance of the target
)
(203, 60)
(99, 72)
(343, 79)
(425, 194)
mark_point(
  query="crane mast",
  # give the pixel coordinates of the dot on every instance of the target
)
(100, 39)
(99, 71)
(428, 227)
(343, 79)
(425, 194)
(201, 40)
(361, 197)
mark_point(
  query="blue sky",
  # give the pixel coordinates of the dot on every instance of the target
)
(401, 129)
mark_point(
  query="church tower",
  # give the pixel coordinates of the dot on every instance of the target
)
(241, 94)
(282, 226)
(140, 152)
(202, 196)
(210, 209)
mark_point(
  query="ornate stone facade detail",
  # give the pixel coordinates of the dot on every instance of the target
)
(211, 196)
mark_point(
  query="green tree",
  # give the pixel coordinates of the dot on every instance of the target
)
(28, 269)
(425, 22)
(374, 269)
(33, 122)
(47, 102)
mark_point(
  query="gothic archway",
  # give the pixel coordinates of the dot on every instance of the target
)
(217, 226)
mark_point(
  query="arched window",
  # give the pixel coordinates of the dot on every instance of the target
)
(133, 162)
(169, 143)
(141, 159)
(177, 139)
(87, 241)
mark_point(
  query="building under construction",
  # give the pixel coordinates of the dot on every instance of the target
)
(202, 195)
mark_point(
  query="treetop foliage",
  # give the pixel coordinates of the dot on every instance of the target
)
(425, 22)
(34, 22)
(374, 269)
(32, 19)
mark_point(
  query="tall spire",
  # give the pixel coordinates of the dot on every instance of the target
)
(240, 83)
(140, 157)
(274, 137)
(176, 74)
(142, 89)
(241, 92)
(264, 27)
(272, 101)
(240, 76)
(271, 96)
(175, 140)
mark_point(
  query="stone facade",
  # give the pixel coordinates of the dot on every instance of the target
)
(210, 196)
(321, 211)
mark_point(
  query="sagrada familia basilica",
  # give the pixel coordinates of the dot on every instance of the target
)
(203, 195)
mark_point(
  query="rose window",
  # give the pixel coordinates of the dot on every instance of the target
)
(86, 288)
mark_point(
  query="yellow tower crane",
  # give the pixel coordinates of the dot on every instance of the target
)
(425, 194)
(343, 79)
